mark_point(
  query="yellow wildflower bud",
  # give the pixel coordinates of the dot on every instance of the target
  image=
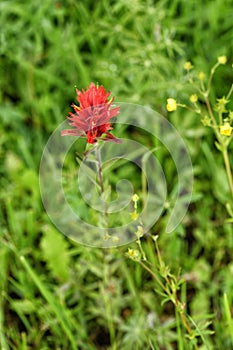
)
(222, 59)
(139, 232)
(115, 239)
(206, 121)
(134, 215)
(201, 76)
(231, 115)
(106, 237)
(130, 252)
(193, 98)
(226, 129)
(171, 105)
(188, 65)
(135, 198)
(133, 254)
(220, 105)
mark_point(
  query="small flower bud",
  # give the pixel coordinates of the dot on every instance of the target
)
(139, 232)
(171, 105)
(222, 60)
(133, 254)
(201, 76)
(193, 98)
(188, 65)
(134, 215)
(135, 198)
(206, 121)
(220, 105)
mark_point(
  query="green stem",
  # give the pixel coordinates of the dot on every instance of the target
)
(228, 169)
(225, 151)
(106, 276)
(230, 92)
(228, 315)
(99, 170)
(108, 300)
(211, 76)
(212, 117)
(154, 276)
(100, 179)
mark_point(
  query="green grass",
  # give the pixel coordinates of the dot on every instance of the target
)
(58, 294)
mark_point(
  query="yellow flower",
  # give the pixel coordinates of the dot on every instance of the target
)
(188, 65)
(193, 98)
(222, 60)
(171, 105)
(201, 76)
(226, 129)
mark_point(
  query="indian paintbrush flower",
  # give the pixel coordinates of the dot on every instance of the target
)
(91, 119)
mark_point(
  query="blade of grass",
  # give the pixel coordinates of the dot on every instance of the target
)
(228, 315)
(199, 332)
(179, 332)
(48, 296)
(3, 277)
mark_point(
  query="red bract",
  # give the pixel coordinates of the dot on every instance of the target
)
(92, 118)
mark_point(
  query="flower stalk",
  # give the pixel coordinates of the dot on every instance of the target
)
(100, 179)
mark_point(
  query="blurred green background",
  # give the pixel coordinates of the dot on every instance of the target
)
(66, 296)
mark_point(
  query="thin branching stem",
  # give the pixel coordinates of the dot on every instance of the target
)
(154, 276)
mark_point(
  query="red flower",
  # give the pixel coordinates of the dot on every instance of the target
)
(92, 118)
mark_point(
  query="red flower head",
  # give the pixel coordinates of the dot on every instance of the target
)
(92, 118)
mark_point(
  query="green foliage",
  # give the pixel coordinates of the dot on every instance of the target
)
(55, 253)
(55, 294)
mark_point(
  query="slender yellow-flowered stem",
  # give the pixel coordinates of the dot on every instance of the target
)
(224, 147)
